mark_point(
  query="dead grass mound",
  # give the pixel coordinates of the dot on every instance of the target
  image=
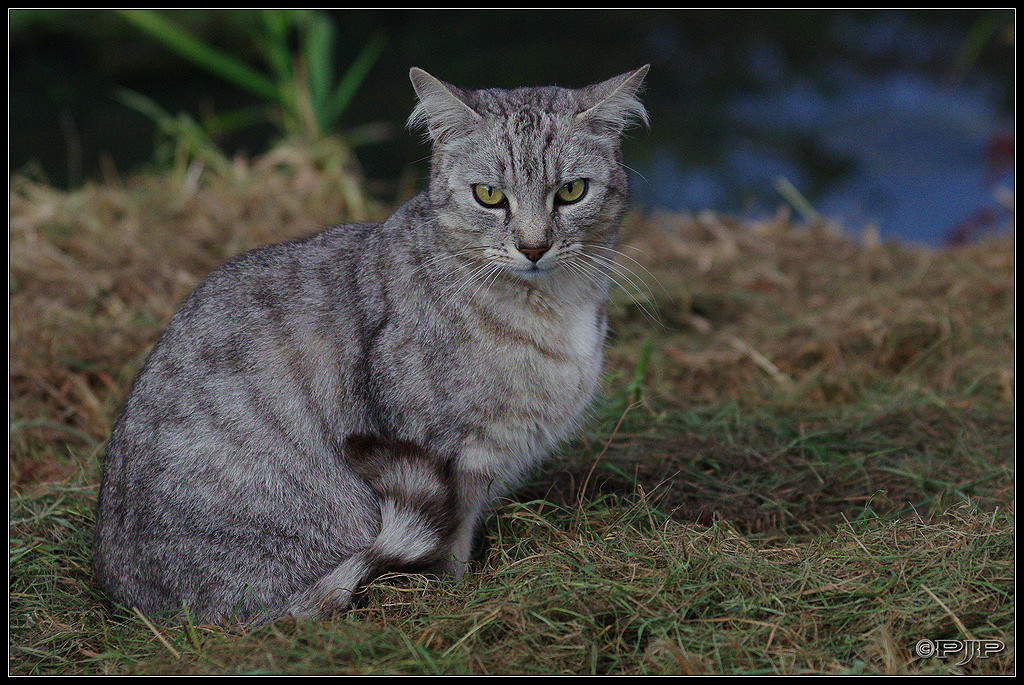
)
(786, 377)
(802, 461)
(96, 273)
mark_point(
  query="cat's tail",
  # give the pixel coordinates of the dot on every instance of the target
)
(418, 520)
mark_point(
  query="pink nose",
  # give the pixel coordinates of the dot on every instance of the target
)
(534, 253)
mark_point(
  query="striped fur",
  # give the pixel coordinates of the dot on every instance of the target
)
(230, 484)
(417, 521)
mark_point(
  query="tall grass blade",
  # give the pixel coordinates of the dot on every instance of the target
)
(353, 78)
(202, 55)
(276, 25)
(318, 51)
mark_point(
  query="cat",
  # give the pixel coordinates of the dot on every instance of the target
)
(321, 411)
(417, 501)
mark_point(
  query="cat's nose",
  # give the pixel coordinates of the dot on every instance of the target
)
(534, 253)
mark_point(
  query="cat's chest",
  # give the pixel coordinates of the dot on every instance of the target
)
(538, 373)
(547, 348)
(500, 379)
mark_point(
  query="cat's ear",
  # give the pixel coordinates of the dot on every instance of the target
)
(441, 107)
(613, 105)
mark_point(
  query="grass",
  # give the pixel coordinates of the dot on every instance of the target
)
(802, 461)
(613, 587)
(299, 45)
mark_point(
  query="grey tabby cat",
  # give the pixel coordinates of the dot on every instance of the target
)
(321, 411)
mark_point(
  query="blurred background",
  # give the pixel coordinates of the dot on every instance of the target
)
(901, 120)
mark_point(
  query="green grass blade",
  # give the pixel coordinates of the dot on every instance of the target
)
(318, 52)
(203, 55)
(276, 24)
(144, 105)
(353, 79)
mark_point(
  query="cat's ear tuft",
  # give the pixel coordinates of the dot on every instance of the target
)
(614, 105)
(442, 107)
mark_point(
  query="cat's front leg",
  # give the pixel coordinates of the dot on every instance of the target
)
(474, 491)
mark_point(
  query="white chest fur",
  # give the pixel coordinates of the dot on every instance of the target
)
(543, 357)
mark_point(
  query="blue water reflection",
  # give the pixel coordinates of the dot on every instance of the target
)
(924, 159)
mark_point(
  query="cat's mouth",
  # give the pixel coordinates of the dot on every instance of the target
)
(529, 269)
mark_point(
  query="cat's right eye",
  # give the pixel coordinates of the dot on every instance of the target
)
(489, 196)
(571, 192)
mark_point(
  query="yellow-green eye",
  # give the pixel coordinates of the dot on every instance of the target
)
(488, 196)
(572, 191)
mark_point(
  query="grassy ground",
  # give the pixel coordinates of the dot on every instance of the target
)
(802, 461)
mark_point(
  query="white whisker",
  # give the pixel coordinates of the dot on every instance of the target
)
(629, 168)
(466, 279)
(626, 256)
(488, 279)
(627, 281)
(625, 273)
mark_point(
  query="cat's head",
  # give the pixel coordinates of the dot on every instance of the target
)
(530, 178)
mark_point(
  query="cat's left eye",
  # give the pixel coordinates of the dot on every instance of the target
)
(573, 191)
(488, 196)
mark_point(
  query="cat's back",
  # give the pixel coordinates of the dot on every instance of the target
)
(235, 427)
(252, 361)
(292, 277)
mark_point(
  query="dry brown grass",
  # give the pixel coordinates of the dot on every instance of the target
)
(806, 439)
(820, 316)
(95, 274)
(796, 375)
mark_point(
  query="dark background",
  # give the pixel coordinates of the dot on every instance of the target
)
(901, 118)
